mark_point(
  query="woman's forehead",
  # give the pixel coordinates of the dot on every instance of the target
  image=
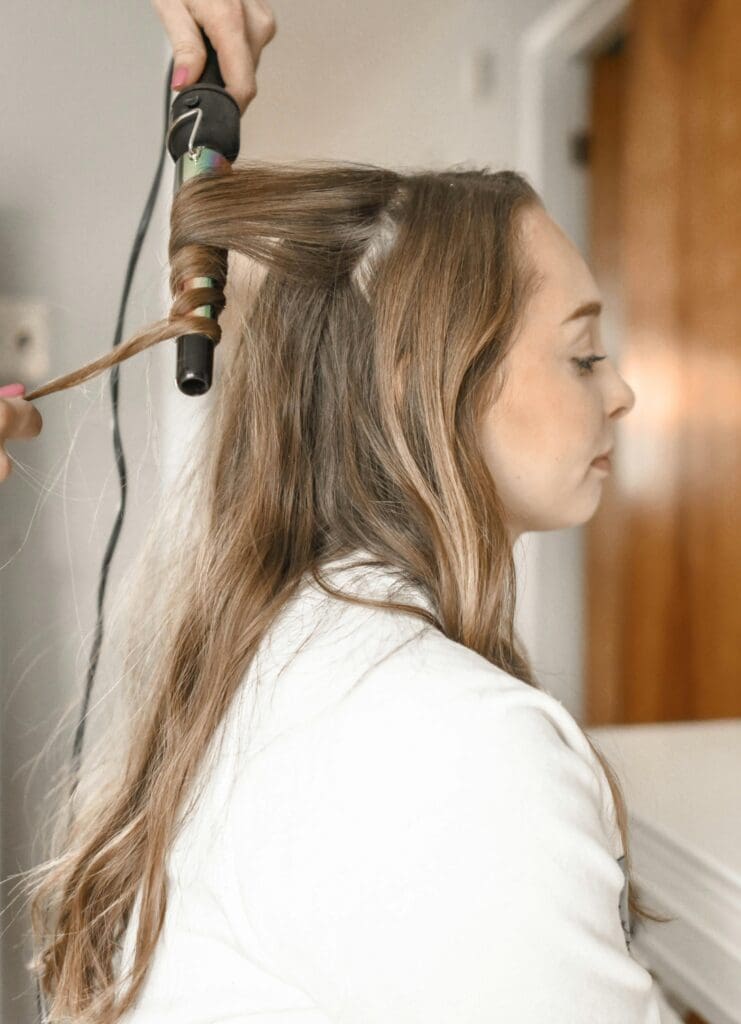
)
(566, 280)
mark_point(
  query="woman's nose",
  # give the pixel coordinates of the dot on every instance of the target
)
(624, 398)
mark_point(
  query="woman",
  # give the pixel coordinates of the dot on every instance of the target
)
(341, 794)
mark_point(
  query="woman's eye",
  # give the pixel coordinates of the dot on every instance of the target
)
(586, 365)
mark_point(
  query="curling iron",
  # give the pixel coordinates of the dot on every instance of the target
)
(203, 136)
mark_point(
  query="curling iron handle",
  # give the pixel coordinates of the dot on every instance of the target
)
(212, 72)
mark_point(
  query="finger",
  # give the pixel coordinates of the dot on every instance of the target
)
(224, 22)
(19, 418)
(260, 26)
(5, 465)
(188, 50)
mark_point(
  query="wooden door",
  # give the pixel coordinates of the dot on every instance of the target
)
(663, 565)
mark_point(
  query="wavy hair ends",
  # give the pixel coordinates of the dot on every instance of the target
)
(361, 358)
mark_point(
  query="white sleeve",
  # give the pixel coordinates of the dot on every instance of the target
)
(447, 868)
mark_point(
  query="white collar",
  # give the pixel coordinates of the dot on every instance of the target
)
(320, 646)
(378, 582)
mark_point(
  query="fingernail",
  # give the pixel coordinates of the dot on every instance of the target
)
(180, 76)
(12, 390)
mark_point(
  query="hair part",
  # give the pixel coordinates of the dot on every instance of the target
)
(367, 349)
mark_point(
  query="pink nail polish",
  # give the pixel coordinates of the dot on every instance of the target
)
(12, 390)
(179, 77)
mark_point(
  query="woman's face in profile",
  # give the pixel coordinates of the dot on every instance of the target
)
(553, 417)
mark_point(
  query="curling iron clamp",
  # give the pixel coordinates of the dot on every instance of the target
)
(203, 136)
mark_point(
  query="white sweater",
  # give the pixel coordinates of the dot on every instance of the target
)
(394, 831)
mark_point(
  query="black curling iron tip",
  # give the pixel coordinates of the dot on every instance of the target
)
(195, 361)
(193, 386)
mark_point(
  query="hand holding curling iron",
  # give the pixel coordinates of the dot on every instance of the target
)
(238, 30)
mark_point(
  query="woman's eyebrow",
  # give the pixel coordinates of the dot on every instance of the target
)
(587, 309)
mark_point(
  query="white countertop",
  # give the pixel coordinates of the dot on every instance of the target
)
(682, 785)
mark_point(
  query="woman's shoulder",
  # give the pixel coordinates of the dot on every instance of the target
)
(360, 679)
(359, 675)
(433, 679)
(431, 716)
(437, 796)
(447, 719)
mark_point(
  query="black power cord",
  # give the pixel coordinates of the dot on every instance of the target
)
(121, 467)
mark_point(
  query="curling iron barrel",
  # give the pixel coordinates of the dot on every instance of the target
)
(203, 136)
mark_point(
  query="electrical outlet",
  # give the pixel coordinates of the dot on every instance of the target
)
(24, 341)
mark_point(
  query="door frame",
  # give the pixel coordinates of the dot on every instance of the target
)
(568, 29)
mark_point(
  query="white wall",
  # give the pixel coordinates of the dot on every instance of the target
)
(383, 82)
(82, 121)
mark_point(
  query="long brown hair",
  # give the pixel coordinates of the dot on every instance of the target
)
(369, 342)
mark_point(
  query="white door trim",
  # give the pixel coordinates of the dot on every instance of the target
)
(568, 28)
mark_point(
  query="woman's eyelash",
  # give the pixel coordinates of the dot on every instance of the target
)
(585, 365)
